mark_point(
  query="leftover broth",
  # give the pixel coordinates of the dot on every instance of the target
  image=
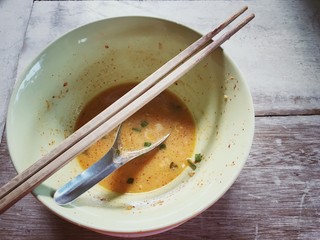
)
(166, 113)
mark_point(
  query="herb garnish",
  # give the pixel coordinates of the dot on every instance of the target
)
(191, 164)
(197, 157)
(162, 146)
(147, 144)
(136, 129)
(144, 123)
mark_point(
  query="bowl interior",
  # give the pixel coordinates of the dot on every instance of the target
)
(51, 92)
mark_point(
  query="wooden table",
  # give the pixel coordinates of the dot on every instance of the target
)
(277, 195)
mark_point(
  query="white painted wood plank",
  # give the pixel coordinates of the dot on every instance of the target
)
(14, 17)
(278, 52)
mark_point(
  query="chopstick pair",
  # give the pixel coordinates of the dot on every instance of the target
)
(118, 112)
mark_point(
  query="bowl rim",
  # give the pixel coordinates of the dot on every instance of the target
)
(158, 228)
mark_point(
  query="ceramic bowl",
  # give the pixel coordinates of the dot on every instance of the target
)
(51, 92)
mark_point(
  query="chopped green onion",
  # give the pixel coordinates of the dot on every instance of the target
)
(197, 157)
(144, 123)
(136, 129)
(162, 146)
(147, 144)
(191, 164)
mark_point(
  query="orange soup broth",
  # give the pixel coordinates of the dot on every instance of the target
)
(165, 114)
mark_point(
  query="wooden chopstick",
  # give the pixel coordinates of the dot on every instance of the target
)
(118, 105)
(115, 114)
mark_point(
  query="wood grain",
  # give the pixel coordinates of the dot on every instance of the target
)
(278, 53)
(277, 195)
(13, 24)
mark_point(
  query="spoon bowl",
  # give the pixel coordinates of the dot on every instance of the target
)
(111, 161)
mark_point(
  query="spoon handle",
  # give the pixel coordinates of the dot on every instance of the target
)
(86, 179)
(98, 171)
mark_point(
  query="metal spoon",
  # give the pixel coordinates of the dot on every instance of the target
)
(111, 161)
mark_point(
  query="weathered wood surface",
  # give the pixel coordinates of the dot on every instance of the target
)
(277, 195)
(14, 18)
(278, 52)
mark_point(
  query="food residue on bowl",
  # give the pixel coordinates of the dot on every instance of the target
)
(166, 113)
